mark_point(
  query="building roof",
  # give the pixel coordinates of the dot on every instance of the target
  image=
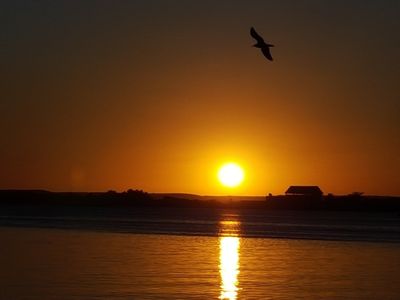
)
(304, 190)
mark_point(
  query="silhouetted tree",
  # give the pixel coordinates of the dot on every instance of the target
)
(356, 194)
(137, 195)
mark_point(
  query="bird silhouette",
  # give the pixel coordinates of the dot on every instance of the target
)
(261, 44)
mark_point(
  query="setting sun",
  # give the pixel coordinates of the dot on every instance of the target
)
(231, 175)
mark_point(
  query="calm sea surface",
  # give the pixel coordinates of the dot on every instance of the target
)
(212, 258)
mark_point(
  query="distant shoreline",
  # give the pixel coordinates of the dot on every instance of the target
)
(139, 198)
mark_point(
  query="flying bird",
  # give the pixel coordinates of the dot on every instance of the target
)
(261, 44)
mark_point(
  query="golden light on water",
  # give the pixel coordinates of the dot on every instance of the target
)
(229, 267)
(229, 260)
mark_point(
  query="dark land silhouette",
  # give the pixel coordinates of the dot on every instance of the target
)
(351, 217)
(138, 198)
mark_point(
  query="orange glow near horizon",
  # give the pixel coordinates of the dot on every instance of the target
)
(162, 116)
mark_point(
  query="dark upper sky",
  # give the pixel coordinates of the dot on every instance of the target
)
(100, 95)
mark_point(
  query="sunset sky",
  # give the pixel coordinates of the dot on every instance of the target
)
(157, 95)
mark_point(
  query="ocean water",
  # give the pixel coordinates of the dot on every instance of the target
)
(222, 256)
(203, 221)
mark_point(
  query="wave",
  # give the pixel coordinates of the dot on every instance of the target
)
(287, 225)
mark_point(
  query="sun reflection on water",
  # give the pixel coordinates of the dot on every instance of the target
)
(229, 244)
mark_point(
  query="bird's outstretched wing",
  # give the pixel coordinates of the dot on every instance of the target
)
(267, 53)
(255, 35)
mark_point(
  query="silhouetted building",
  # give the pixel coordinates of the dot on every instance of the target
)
(300, 190)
